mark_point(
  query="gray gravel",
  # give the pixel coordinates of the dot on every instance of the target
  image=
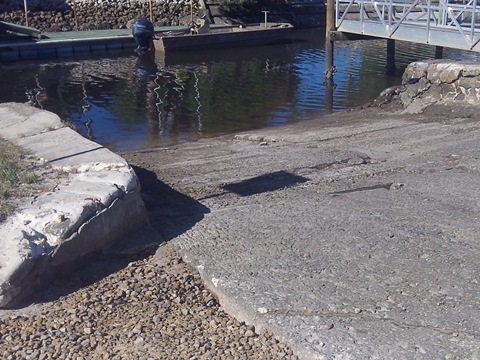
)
(150, 308)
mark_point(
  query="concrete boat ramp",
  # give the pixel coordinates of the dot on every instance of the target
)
(354, 237)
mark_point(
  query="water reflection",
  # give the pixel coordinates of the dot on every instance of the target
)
(125, 101)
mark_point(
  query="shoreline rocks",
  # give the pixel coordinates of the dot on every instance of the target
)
(95, 15)
(440, 86)
(80, 15)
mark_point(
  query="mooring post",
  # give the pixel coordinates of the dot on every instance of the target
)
(391, 68)
(330, 26)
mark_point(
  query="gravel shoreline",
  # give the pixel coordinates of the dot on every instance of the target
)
(155, 307)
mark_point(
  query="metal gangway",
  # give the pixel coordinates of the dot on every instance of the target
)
(445, 23)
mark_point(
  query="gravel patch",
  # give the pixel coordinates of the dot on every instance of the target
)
(155, 307)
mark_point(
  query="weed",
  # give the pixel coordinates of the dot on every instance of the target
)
(18, 177)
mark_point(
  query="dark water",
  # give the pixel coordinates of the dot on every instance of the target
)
(125, 102)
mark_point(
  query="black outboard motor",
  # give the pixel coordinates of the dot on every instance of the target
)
(143, 34)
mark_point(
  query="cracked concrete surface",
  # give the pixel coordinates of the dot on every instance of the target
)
(351, 237)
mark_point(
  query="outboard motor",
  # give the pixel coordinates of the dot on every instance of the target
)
(143, 34)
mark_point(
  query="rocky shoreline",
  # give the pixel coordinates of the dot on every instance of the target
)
(81, 15)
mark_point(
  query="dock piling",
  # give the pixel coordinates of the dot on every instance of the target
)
(438, 52)
(391, 68)
(329, 48)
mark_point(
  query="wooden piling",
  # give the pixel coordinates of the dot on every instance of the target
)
(330, 26)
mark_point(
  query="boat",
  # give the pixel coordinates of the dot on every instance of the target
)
(203, 36)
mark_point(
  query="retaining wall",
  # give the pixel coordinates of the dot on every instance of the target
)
(436, 86)
(84, 212)
(69, 15)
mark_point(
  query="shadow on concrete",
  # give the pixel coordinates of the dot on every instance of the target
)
(265, 183)
(170, 212)
(77, 154)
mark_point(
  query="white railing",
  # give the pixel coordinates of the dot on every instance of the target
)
(453, 18)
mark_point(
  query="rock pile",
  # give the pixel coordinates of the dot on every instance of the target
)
(68, 15)
(439, 86)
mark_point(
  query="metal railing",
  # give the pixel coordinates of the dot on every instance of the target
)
(450, 23)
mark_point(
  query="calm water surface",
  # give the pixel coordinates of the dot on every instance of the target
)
(128, 102)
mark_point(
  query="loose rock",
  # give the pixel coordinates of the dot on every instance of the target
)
(141, 309)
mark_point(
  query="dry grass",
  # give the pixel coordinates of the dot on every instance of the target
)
(19, 176)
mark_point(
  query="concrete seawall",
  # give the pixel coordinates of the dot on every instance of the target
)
(94, 201)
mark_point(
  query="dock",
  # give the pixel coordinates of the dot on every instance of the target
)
(16, 47)
(453, 24)
(447, 23)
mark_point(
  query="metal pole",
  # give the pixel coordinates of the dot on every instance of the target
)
(151, 14)
(26, 12)
(330, 26)
(265, 12)
(474, 19)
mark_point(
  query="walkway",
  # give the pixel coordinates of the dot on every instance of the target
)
(449, 23)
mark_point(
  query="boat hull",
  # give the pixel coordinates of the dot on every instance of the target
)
(225, 37)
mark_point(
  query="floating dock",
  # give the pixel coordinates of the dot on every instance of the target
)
(20, 46)
(61, 44)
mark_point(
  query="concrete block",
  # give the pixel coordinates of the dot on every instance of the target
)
(19, 121)
(95, 203)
